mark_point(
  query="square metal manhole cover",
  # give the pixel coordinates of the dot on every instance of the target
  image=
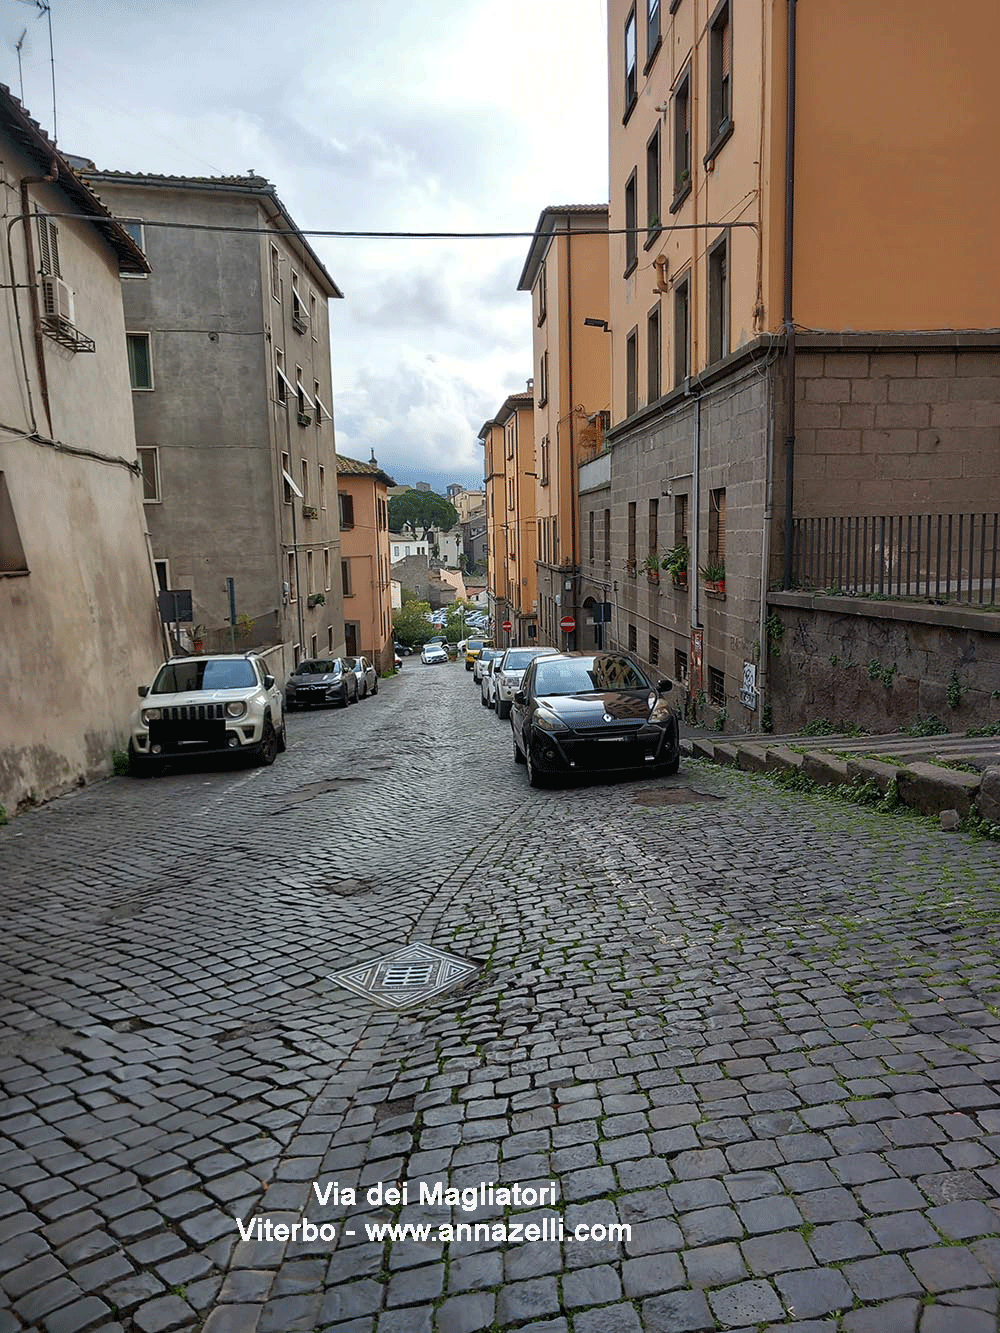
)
(406, 977)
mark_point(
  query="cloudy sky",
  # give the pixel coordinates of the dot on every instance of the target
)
(412, 115)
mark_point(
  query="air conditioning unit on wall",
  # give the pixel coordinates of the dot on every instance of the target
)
(57, 299)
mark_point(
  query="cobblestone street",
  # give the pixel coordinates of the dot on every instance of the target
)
(760, 1029)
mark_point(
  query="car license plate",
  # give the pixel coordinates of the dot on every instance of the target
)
(612, 740)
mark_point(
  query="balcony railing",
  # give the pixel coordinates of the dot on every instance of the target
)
(937, 557)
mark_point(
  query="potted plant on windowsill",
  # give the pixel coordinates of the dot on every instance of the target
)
(316, 599)
(714, 576)
(630, 567)
(652, 564)
(675, 562)
(198, 639)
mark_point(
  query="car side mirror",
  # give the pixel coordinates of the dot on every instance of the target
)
(520, 697)
(663, 685)
(142, 691)
(268, 682)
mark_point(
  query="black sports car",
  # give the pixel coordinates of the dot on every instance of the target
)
(326, 680)
(592, 712)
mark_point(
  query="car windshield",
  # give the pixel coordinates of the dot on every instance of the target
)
(489, 654)
(352, 663)
(201, 674)
(474, 645)
(519, 659)
(325, 667)
(584, 675)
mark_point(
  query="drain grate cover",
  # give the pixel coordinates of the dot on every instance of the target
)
(406, 977)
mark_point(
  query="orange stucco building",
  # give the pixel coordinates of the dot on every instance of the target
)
(509, 443)
(819, 342)
(365, 564)
(566, 272)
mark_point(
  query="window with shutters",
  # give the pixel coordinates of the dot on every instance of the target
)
(632, 372)
(682, 141)
(292, 591)
(631, 83)
(346, 509)
(326, 567)
(680, 519)
(140, 360)
(653, 355)
(717, 528)
(591, 542)
(633, 639)
(654, 525)
(345, 578)
(631, 216)
(543, 379)
(682, 331)
(541, 295)
(654, 650)
(652, 31)
(149, 461)
(631, 531)
(607, 536)
(48, 247)
(12, 557)
(654, 218)
(718, 300)
(720, 105)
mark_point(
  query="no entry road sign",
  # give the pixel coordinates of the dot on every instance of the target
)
(567, 624)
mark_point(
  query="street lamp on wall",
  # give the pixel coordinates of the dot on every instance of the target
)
(592, 323)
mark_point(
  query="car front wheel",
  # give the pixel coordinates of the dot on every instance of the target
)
(673, 766)
(518, 756)
(268, 749)
(141, 766)
(535, 779)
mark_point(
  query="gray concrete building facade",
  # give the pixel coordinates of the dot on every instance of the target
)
(231, 385)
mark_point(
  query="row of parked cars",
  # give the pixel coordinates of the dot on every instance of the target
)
(579, 712)
(229, 703)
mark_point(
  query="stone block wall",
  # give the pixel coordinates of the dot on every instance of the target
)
(891, 431)
(881, 665)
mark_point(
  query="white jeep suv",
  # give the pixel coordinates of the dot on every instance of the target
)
(224, 704)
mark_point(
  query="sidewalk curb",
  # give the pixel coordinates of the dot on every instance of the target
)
(926, 788)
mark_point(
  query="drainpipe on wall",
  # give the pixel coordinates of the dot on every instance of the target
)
(789, 320)
(573, 473)
(765, 553)
(36, 314)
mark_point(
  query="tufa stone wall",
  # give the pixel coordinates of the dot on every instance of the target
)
(881, 666)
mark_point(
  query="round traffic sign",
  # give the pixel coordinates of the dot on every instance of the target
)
(567, 624)
(507, 626)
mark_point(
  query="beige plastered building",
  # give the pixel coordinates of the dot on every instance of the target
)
(79, 627)
(787, 345)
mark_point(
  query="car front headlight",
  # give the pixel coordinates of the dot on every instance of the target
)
(150, 715)
(549, 722)
(662, 712)
(236, 709)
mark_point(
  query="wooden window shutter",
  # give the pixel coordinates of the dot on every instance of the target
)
(727, 48)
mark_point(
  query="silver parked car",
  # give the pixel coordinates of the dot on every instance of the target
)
(365, 674)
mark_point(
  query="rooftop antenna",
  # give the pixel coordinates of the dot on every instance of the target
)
(20, 72)
(45, 8)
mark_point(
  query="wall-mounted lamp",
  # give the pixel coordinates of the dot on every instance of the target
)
(597, 324)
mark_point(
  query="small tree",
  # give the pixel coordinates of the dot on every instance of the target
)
(411, 625)
(421, 509)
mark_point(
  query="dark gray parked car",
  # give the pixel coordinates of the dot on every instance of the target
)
(319, 682)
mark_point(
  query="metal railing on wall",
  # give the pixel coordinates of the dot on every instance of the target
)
(942, 557)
